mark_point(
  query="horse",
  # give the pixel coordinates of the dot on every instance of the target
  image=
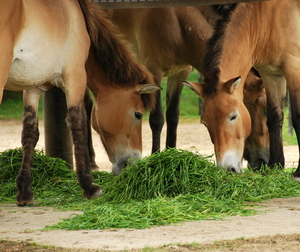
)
(70, 44)
(258, 35)
(168, 41)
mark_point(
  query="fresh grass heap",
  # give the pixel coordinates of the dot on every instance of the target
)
(47, 172)
(167, 187)
(52, 182)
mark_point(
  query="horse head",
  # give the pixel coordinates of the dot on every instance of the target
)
(257, 146)
(228, 121)
(122, 88)
(117, 117)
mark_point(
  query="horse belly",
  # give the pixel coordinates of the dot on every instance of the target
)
(28, 74)
(49, 46)
(34, 64)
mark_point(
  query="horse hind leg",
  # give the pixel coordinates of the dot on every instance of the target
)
(295, 110)
(30, 136)
(77, 121)
(275, 89)
(174, 90)
(295, 105)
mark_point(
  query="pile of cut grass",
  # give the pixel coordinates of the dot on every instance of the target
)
(164, 188)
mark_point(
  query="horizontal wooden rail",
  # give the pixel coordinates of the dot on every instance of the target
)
(133, 4)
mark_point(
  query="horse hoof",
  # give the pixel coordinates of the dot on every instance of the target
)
(95, 191)
(94, 167)
(25, 202)
(24, 199)
(296, 178)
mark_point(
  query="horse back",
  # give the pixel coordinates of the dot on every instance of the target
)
(267, 25)
(168, 36)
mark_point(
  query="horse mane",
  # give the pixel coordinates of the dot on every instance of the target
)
(113, 53)
(223, 9)
(211, 60)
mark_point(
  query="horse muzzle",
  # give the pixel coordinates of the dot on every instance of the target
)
(231, 162)
(121, 162)
(233, 169)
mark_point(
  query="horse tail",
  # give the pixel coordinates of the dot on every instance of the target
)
(112, 52)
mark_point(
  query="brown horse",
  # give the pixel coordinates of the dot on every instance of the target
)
(67, 44)
(168, 41)
(260, 34)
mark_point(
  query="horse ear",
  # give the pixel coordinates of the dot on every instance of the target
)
(232, 84)
(147, 88)
(194, 86)
(258, 84)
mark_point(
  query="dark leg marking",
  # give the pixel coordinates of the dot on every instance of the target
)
(78, 126)
(30, 136)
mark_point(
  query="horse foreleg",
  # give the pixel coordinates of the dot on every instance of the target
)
(30, 136)
(174, 90)
(77, 121)
(88, 103)
(156, 118)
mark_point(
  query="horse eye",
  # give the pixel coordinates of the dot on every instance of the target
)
(138, 115)
(233, 117)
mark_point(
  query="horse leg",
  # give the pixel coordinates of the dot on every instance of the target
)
(30, 136)
(77, 121)
(156, 118)
(12, 15)
(275, 90)
(295, 109)
(294, 93)
(88, 103)
(174, 89)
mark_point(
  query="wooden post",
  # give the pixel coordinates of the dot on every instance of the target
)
(58, 141)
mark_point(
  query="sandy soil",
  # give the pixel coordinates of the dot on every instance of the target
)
(279, 217)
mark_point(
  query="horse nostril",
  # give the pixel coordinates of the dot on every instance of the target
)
(231, 169)
(126, 163)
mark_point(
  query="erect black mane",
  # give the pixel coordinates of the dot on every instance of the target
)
(211, 60)
(224, 9)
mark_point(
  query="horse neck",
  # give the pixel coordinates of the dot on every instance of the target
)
(241, 41)
(270, 22)
(97, 80)
(253, 34)
(202, 20)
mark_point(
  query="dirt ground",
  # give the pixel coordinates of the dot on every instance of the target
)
(275, 228)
